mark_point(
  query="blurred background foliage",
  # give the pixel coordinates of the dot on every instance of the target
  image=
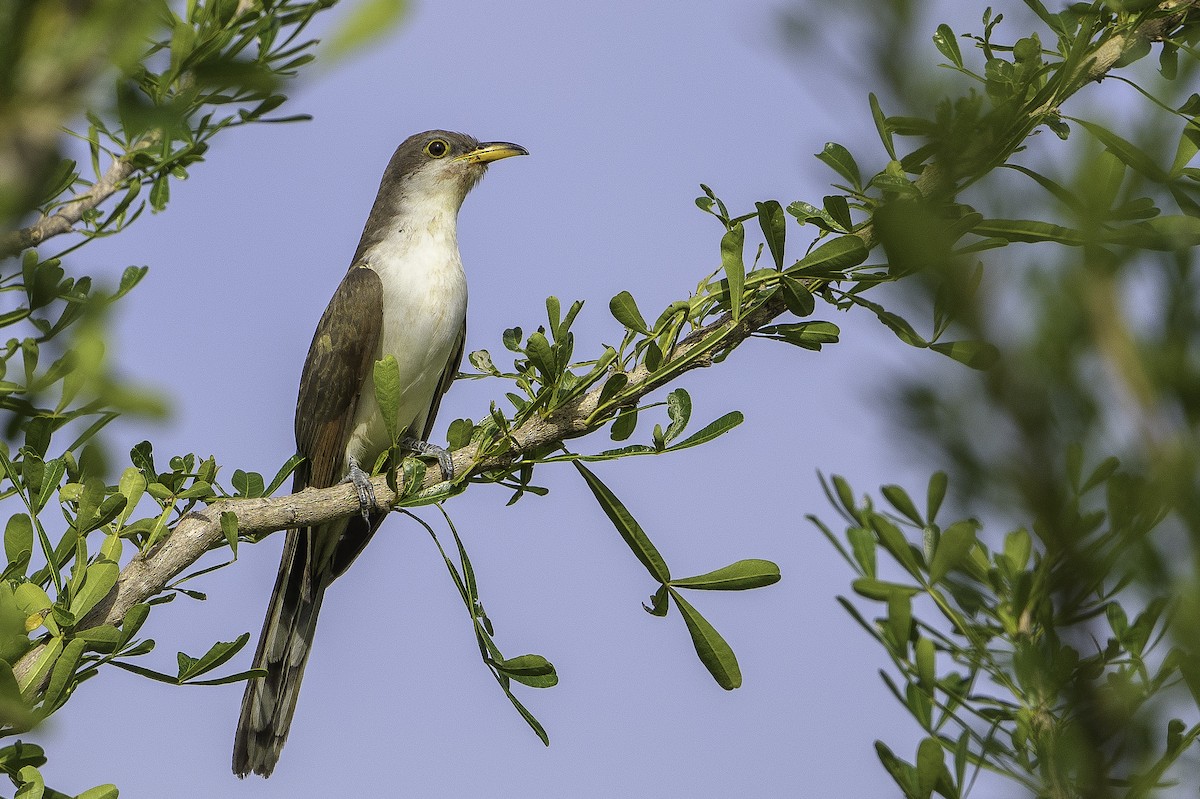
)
(1074, 626)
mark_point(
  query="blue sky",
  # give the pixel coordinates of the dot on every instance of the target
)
(625, 110)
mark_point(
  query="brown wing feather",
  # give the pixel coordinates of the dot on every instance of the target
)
(339, 360)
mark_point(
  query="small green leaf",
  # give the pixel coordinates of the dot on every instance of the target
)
(797, 297)
(881, 126)
(947, 45)
(626, 525)
(714, 652)
(833, 257)
(740, 576)
(930, 766)
(773, 221)
(952, 549)
(710, 431)
(926, 673)
(1125, 150)
(532, 670)
(980, 355)
(624, 309)
(839, 159)
(679, 410)
(839, 211)
(387, 393)
(623, 426)
(229, 526)
(732, 246)
(512, 339)
(18, 540)
(218, 653)
(100, 578)
(901, 502)
(935, 494)
(366, 23)
(541, 355)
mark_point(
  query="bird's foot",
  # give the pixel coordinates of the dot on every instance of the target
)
(366, 491)
(424, 448)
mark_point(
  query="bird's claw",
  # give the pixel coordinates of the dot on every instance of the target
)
(366, 491)
(424, 448)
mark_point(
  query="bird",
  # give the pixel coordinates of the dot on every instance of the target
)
(404, 295)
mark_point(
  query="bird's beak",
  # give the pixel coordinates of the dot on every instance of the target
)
(492, 151)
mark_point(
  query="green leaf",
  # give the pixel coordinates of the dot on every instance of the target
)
(1030, 231)
(924, 657)
(740, 576)
(773, 221)
(979, 355)
(367, 22)
(541, 355)
(881, 126)
(100, 578)
(32, 784)
(881, 589)
(841, 161)
(229, 526)
(930, 766)
(947, 45)
(832, 257)
(714, 652)
(107, 791)
(624, 309)
(1189, 145)
(512, 339)
(732, 246)
(679, 410)
(899, 620)
(387, 393)
(218, 653)
(797, 297)
(901, 502)
(808, 335)
(1136, 159)
(624, 425)
(710, 431)
(935, 494)
(955, 543)
(18, 541)
(285, 471)
(862, 544)
(532, 670)
(839, 210)
(626, 525)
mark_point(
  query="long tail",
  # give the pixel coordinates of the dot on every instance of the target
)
(283, 648)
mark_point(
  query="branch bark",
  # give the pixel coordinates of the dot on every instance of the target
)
(65, 218)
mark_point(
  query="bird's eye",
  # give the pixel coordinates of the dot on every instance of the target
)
(437, 148)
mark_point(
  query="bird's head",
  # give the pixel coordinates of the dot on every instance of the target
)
(442, 166)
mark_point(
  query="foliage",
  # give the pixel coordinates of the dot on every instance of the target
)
(1000, 673)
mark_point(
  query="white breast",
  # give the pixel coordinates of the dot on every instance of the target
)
(424, 310)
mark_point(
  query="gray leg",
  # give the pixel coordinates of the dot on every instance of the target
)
(425, 448)
(366, 491)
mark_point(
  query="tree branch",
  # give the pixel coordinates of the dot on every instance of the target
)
(65, 218)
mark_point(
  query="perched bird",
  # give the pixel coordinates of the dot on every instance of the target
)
(405, 295)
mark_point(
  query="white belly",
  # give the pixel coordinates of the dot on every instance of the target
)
(424, 310)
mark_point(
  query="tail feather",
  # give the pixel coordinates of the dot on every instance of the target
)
(283, 648)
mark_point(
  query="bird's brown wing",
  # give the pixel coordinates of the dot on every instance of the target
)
(339, 360)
